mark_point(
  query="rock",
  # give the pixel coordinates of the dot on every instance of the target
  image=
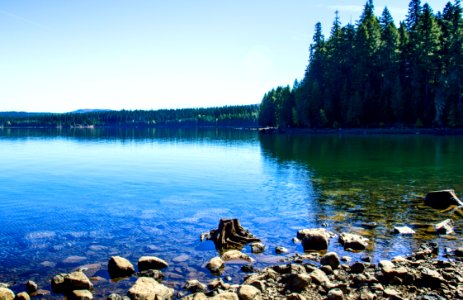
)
(442, 199)
(391, 292)
(319, 277)
(225, 296)
(247, 268)
(181, 258)
(353, 241)
(357, 267)
(6, 294)
(445, 227)
(298, 282)
(21, 296)
(215, 264)
(151, 263)
(459, 252)
(314, 239)
(236, 255)
(155, 274)
(115, 296)
(335, 294)
(77, 281)
(331, 259)
(257, 247)
(31, 287)
(405, 230)
(296, 240)
(149, 289)
(74, 259)
(248, 292)
(57, 283)
(280, 250)
(120, 267)
(80, 295)
(431, 278)
(194, 286)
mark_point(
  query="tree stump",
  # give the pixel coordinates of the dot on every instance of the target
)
(231, 235)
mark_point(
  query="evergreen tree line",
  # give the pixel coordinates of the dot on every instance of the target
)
(240, 115)
(375, 74)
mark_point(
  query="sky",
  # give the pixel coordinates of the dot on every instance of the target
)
(60, 56)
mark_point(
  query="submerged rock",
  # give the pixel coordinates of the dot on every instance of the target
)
(149, 289)
(194, 286)
(236, 255)
(215, 264)
(444, 227)
(151, 262)
(442, 199)
(120, 267)
(280, 250)
(405, 230)
(257, 247)
(314, 239)
(353, 241)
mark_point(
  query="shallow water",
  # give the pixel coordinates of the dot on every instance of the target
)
(70, 198)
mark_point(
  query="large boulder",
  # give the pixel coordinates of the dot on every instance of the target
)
(6, 294)
(151, 263)
(353, 241)
(120, 267)
(314, 239)
(442, 199)
(149, 289)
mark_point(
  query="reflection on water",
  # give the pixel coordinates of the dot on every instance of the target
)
(71, 198)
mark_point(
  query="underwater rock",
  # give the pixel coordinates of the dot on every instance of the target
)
(120, 267)
(442, 199)
(257, 247)
(230, 235)
(151, 262)
(236, 255)
(445, 227)
(215, 264)
(405, 230)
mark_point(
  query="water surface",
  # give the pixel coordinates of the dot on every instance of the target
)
(70, 198)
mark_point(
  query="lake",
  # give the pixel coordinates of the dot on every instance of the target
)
(72, 198)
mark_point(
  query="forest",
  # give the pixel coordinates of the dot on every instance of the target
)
(239, 116)
(375, 74)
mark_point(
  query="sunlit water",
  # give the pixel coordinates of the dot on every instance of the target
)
(74, 198)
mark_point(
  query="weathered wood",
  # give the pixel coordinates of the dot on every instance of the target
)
(231, 235)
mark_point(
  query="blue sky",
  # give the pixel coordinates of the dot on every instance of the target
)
(59, 56)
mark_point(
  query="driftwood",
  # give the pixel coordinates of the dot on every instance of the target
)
(230, 235)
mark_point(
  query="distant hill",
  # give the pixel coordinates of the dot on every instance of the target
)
(89, 110)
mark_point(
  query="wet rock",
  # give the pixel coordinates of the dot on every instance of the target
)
(149, 289)
(247, 268)
(353, 241)
(444, 227)
(296, 240)
(405, 230)
(248, 292)
(31, 287)
(257, 247)
(331, 259)
(280, 250)
(21, 296)
(314, 239)
(155, 274)
(335, 294)
(194, 286)
(236, 255)
(120, 267)
(298, 282)
(215, 264)
(57, 283)
(151, 263)
(80, 295)
(442, 199)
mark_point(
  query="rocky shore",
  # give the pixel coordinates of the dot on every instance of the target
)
(429, 273)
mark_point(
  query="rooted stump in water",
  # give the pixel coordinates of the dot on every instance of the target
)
(231, 235)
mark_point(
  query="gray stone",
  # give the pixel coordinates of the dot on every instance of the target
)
(442, 199)
(314, 239)
(353, 241)
(151, 262)
(248, 292)
(149, 289)
(120, 267)
(445, 227)
(331, 259)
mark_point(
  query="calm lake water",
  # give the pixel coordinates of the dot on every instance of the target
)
(72, 198)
